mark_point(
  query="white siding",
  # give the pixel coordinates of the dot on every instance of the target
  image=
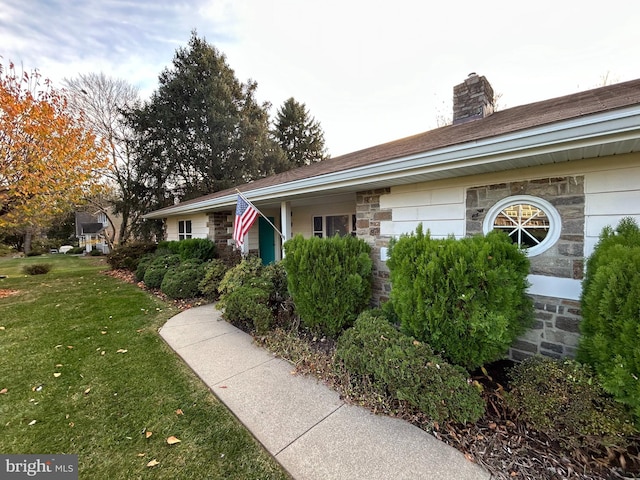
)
(199, 228)
(610, 195)
(302, 217)
(439, 210)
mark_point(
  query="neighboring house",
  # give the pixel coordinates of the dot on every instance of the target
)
(552, 174)
(92, 231)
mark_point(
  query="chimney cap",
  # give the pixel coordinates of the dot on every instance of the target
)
(473, 74)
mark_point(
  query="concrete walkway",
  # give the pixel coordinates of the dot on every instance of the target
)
(301, 422)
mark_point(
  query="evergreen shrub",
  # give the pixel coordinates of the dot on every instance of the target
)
(245, 291)
(183, 280)
(37, 269)
(143, 263)
(156, 271)
(214, 272)
(198, 248)
(248, 306)
(126, 257)
(397, 365)
(466, 298)
(329, 280)
(610, 332)
(563, 399)
(251, 294)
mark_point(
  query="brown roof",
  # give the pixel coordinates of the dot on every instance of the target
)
(502, 122)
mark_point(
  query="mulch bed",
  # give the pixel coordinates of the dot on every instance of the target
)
(499, 441)
(130, 277)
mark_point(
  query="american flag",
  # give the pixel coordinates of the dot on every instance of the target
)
(246, 214)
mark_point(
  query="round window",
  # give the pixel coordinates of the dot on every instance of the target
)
(532, 223)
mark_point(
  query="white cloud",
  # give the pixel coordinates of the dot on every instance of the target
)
(369, 71)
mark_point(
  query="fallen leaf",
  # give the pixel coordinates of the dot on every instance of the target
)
(59, 365)
(178, 411)
(71, 424)
(121, 350)
(3, 391)
(153, 463)
(32, 422)
(57, 374)
(148, 434)
(141, 454)
(69, 346)
(86, 392)
(37, 388)
(173, 440)
(103, 332)
(222, 386)
(102, 352)
(1, 328)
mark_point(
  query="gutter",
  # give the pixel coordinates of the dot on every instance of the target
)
(613, 126)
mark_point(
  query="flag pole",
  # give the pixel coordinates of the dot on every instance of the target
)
(261, 214)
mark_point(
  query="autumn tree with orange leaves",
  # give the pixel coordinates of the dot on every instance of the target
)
(49, 161)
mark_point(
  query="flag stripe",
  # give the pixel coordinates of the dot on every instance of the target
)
(246, 214)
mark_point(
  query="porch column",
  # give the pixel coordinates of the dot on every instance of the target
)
(285, 222)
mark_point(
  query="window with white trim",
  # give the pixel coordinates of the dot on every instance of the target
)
(531, 222)
(184, 229)
(330, 225)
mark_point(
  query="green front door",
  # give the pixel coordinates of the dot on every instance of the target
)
(267, 242)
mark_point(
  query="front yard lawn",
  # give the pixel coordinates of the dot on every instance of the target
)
(83, 371)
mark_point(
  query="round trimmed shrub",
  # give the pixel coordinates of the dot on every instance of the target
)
(143, 264)
(397, 365)
(37, 269)
(158, 268)
(183, 280)
(466, 298)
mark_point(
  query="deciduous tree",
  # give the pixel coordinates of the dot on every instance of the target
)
(48, 160)
(103, 100)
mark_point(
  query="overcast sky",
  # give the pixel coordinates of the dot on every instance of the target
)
(369, 71)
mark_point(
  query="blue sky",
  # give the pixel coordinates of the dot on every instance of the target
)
(370, 71)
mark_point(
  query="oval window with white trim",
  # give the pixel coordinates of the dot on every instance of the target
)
(531, 222)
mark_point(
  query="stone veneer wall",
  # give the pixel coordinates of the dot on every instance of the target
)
(219, 228)
(555, 332)
(368, 218)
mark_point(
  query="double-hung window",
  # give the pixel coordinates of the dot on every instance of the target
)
(184, 229)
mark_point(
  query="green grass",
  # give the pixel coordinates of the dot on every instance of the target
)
(72, 321)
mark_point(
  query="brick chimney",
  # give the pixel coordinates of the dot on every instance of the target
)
(472, 99)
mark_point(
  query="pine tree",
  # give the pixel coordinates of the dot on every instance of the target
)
(203, 130)
(299, 135)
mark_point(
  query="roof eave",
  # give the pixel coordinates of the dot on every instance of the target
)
(606, 127)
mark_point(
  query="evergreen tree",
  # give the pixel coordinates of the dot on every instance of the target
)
(299, 135)
(202, 130)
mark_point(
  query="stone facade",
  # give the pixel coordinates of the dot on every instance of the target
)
(555, 332)
(566, 258)
(220, 228)
(368, 218)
